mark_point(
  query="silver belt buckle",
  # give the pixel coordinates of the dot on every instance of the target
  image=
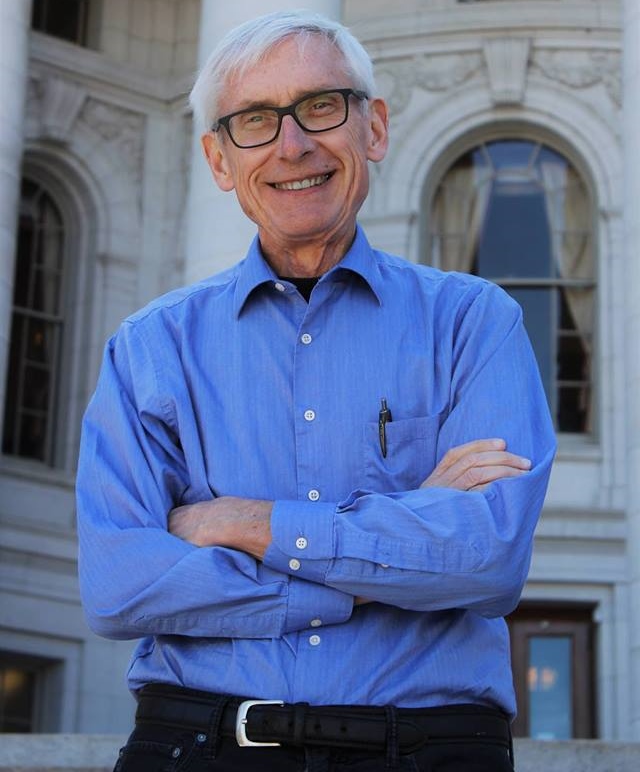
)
(241, 721)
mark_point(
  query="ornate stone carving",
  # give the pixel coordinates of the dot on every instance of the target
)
(431, 72)
(119, 128)
(507, 62)
(582, 69)
(53, 105)
(60, 104)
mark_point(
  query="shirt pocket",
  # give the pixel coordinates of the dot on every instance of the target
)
(411, 453)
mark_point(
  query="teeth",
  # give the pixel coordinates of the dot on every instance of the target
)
(310, 182)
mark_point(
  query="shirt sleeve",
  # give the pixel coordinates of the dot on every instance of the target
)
(438, 548)
(135, 577)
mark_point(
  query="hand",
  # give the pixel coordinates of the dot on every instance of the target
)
(228, 521)
(473, 466)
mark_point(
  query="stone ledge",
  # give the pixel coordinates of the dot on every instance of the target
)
(97, 753)
(577, 756)
(59, 752)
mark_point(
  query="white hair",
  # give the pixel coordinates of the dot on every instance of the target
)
(246, 45)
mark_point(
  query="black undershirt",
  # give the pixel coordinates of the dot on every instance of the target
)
(304, 285)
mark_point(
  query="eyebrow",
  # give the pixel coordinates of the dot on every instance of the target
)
(260, 104)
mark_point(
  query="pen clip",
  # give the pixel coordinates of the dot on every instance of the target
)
(384, 417)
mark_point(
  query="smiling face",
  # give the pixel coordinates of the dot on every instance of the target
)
(303, 190)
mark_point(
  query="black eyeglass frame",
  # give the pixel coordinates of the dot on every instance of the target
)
(291, 110)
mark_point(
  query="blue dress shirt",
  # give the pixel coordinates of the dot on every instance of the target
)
(237, 386)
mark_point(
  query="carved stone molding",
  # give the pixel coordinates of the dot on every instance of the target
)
(61, 102)
(431, 72)
(34, 98)
(582, 69)
(507, 62)
(53, 105)
(121, 130)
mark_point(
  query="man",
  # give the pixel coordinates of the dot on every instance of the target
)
(312, 480)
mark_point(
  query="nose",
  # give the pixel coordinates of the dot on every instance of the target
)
(293, 141)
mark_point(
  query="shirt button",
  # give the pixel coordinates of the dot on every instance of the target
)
(309, 415)
(384, 565)
(280, 287)
(313, 495)
(306, 338)
(315, 622)
(314, 640)
(294, 564)
(301, 543)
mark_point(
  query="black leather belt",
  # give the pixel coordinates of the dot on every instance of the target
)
(264, 722)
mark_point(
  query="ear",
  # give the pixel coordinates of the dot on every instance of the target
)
(378, 130)
(216, 154)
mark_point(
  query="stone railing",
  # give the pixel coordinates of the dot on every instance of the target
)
(97, 753)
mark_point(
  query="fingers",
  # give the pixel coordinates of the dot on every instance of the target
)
(475, 465)
(467, 451)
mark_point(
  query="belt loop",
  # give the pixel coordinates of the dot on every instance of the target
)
(393, 746)
(213, 741)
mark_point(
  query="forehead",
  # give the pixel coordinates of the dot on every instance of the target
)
(295, 66)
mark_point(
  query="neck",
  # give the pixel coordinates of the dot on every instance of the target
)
(304, 260)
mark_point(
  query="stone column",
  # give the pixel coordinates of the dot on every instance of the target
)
(631, 154)
(15, 19)
(218, 233)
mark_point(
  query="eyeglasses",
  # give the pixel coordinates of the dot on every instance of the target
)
(320, 111)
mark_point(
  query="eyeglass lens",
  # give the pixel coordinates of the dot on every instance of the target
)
(319, 112)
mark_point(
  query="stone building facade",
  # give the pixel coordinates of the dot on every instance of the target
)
(513, 132)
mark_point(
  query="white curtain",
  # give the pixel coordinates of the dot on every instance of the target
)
(458, 215)
(567, 208)
(49, 254)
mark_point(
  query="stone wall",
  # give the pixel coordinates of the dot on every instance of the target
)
(96, 753)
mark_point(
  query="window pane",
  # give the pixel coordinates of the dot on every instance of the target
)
(36, 396)
(510, 154)
(538, 312)
(36, 329)
(550, 688)
(515, 237)
(17, 693)
(40, 343)
(572, 408)
(66, 19)
(32, 436)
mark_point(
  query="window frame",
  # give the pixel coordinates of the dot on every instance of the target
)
(75, 203)
(55, 322)
(576, 621)
(514, 130)
(59, 662)
(85, 22)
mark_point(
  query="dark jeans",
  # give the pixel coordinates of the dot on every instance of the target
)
(159, 749)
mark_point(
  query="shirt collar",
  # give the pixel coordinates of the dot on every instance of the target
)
(360, 259)
(253, 272)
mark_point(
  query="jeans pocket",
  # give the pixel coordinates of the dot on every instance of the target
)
(150, 753)
(147, 756)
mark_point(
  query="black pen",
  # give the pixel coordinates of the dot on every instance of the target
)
(384, 417)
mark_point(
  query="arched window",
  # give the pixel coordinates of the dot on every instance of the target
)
(36, 329)
(518, 212)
